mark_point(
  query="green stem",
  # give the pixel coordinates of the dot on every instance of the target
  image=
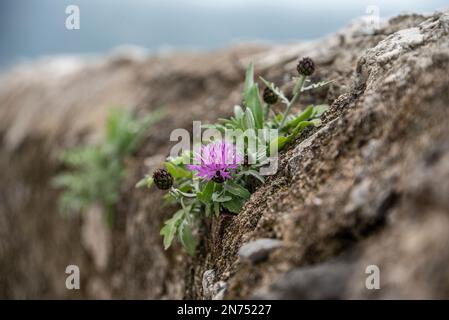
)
(181, 200)
(296, 94)
(267, 111)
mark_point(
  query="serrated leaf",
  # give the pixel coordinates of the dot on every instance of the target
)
(237, 190)
(96, 172)
(316, 85)
(170, 228)
(168, 233)
(276, 90)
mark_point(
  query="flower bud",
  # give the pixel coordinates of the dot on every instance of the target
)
(269, 96)
(305, 67)
(163, 179)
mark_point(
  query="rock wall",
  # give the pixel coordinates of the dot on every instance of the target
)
(368, 187)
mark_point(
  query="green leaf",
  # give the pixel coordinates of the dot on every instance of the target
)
(208, 210)
(186, 237)
(278, 117)
(301, 126)
(234, 205)
(216, 209)
(319, 110)
(317, 85)
(183, 158)
(237, 190)
(251, 97)
(276, 90)
(186, 194)
(281, 141)
(249, 81)
(305, 115)
(177, 171)
(253, 102)
(253, 173)
(212, 126)
(217, 197)
(168, 232)
(97, 171)
(145, 182)
(249, 119)
(170, 228)
(185, 187)
(238, 112)
(225, 121)
(205, 196)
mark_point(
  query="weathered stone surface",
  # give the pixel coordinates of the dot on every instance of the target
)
(373, 180)
(258, 250)
(324, 281)
(212, 289)
(96, 237)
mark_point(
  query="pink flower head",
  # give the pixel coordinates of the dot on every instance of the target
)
(216, 159)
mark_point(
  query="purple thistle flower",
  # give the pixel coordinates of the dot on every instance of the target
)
(216, 159)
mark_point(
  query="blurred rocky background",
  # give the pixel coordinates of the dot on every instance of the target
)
(368, 187)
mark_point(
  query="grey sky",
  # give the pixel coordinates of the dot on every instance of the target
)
(34, 28)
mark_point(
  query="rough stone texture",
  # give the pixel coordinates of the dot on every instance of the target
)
(368, 187)
(96, 237)
(258, 250)
(208, 283)
(323, 281)
(212, 289)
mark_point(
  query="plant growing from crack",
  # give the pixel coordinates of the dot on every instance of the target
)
(223, 176)
(94, 173)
